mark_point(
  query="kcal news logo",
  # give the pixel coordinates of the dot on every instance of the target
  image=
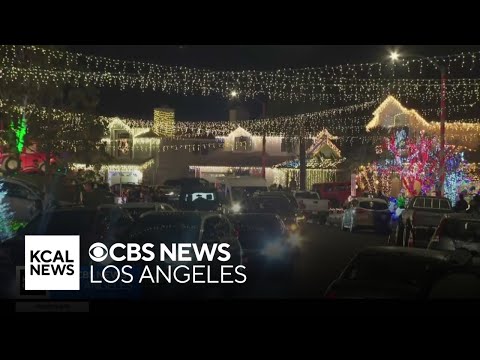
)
(52, 262)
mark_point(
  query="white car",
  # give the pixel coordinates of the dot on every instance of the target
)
(366, 213)
(310, 204)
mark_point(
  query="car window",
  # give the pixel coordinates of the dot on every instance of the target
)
(393, 269)
(463, 230)
(373, 205)
(15, 190)
(419, 202)
(444, 204)
(215, 229)
(307, 195)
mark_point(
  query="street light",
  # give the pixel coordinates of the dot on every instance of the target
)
(394, 56)
(443, 110)
(234, 94)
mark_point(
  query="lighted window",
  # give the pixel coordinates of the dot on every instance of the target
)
(243, 143)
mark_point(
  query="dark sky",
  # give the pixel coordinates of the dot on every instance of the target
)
(137, 104)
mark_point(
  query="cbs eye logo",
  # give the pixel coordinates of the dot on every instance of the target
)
(98, 252)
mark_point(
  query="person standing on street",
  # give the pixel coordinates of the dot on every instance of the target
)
(461, 205)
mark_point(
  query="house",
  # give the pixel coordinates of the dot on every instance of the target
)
(151, 151)
(392, 114)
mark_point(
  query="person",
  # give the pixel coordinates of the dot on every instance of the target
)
(381, 196)
(293, 185)
(280, 188)
(461, 205)
(92, 196)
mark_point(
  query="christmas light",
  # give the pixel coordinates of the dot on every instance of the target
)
(164, 122)
(115, 167)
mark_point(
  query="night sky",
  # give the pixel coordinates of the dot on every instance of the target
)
(138, 104)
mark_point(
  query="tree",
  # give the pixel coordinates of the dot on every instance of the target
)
(60, 118)
(6, 216)
(416, 160)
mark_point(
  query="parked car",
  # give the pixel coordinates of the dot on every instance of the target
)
(106, 224)
(186, 227)
(200, 198)
(422, 213)
(137, 209)
(457, 231)
(237, 190)
(310, 204)
(187, 182)
(366, 213)
(194, 227)
(264, 240)
(400, 273)
(276, 203)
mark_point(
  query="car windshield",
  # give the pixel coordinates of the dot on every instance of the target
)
(135, 212)
(463, 230)
(206, 200)
(167, 228)
(255, 229)
(390, 269)
(243, 192)
(373, 205)
(307, 195)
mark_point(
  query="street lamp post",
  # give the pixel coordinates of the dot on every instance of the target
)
(234, 94)
(443, 111)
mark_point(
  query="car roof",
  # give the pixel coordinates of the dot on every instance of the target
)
(270, 215)
(369, 199)
(23, 182)
(142, 205)
(431, 197)
(202, 214)
(425, 254)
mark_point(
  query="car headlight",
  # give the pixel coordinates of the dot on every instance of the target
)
(236, 207)
(293, 227)
(300, 217)
(274, 250)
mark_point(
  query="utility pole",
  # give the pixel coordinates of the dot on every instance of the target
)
(443, 115)
(264, 140)
(303, 163)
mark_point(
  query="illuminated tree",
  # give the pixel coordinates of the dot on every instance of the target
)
(41, 123)
(417, 161)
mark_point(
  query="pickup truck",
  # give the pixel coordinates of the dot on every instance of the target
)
(310, 204)
(421, 213)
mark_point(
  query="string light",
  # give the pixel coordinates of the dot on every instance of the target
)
(115, 167)
(164, 122)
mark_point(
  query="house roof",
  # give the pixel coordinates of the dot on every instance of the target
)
(147, 135)
(238, 159)
(461, 133)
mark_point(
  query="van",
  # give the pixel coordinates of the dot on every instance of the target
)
(237, 189)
